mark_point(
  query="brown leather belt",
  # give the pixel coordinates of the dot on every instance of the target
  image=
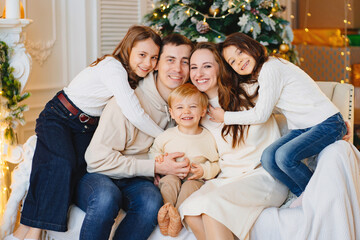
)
(83, 117)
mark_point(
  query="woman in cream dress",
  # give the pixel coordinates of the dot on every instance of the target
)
(230, 204)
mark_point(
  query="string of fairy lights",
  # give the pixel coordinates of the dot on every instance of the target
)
(345, 53)
(4, 168)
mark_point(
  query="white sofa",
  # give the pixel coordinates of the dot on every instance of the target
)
(342, 95)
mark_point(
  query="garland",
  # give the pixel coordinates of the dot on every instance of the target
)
(11, 113)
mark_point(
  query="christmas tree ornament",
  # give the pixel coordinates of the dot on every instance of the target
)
(214, 10)
(194, 20)
(187, 2)
(201, 39)
(284, 48)
(243, 20)
(202, 27)
(266, 4)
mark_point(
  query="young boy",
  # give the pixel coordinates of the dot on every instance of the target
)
(187, 105)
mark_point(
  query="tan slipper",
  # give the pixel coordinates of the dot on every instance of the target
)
(175, 224)
(163, 219)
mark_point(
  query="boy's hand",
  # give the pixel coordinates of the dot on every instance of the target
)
(170, 166)
(197, 171)
(160, 158)
(216, 114)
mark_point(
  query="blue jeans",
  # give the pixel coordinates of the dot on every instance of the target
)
(58, 164)
(282, 159)
(101, 198)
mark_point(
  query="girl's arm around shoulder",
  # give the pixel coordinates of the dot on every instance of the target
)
(270, 86)
(115, 77)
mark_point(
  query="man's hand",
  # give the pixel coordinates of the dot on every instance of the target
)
(197, 171)
(170, 167)
(216, 114)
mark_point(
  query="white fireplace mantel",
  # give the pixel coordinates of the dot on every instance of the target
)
(20, 60)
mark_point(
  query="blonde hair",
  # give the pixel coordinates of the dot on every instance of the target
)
(188, 90)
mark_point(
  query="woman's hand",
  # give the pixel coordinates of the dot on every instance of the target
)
(197, 171)
(216, 114)
(157, 179)
(348, 135)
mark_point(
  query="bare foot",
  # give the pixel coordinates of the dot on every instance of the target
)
(33, 234)
(163, 219)
(175, 224)
(21, 232)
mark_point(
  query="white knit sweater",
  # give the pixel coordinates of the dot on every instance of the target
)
(93, 87)
(289, 89)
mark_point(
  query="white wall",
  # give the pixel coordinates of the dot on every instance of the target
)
(63, 39)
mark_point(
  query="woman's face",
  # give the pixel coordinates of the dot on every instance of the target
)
(204, 71)
(143, 57)
(240, 61)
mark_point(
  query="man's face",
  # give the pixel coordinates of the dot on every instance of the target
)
(173, 67)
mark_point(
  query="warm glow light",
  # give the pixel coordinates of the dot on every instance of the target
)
(309, 14)
(306, 30)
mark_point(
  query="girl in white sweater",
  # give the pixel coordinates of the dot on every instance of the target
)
(66, 125)
(313, 119)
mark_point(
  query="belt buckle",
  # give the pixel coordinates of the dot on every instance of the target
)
(84, 118)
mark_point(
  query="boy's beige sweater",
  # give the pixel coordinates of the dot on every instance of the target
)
(118, 149)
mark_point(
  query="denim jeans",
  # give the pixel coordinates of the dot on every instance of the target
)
(282, 159)
(58, 164)
(101, 198)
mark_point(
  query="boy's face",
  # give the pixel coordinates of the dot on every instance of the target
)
(188, 111)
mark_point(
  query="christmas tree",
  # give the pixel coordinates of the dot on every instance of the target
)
(214, 20)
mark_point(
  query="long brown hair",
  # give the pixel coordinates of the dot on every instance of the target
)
(232, 96)
(251, 47)
(122, 51)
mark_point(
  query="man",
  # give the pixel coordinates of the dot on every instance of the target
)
(116, 163)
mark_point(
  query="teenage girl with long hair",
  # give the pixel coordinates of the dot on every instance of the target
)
(66, 125)
(313, 119)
